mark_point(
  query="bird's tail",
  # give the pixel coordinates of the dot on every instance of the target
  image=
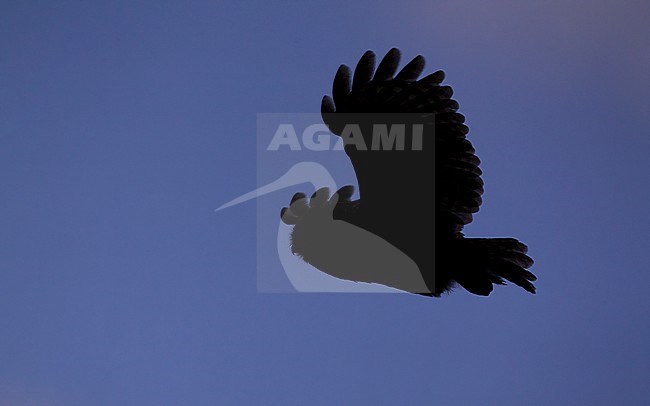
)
(485, 262)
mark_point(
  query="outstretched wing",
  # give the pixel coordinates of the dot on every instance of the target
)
(405, 182)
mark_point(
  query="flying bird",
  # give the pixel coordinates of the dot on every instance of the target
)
(417, 195)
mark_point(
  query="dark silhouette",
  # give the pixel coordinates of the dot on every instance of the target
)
(417, 194)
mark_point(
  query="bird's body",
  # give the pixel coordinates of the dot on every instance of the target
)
(418, 197)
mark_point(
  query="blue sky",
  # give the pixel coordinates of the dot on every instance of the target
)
(123, 125)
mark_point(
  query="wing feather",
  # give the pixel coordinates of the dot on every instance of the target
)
(457, 179)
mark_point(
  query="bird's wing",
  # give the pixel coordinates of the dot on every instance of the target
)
(403, 181)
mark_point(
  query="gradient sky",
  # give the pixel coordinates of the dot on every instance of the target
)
(123, 125)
